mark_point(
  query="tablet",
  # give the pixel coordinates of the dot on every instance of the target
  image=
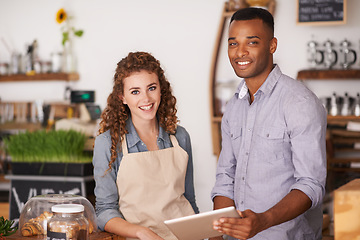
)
(199, 226)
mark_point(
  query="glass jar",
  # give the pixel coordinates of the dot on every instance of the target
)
(68, 223)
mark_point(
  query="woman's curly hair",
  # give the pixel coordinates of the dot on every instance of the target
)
(116, 113)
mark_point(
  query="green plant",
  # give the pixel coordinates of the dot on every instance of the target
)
(6, 227)
(67, 29)
(62, 146)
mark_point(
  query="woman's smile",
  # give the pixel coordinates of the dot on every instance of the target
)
(146, 107)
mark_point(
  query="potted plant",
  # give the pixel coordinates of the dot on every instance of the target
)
(7, 228)
(41, 152)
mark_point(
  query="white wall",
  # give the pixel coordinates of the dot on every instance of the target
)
(181, 34)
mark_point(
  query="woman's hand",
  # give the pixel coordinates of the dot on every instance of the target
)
(146, 234)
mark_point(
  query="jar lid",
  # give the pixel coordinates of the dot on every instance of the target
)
(67, 208)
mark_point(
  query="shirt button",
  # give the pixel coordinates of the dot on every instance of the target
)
(242, 202)
(249, 129)
(267, 135)
(246, 153)
(243, 178)
(231, 135)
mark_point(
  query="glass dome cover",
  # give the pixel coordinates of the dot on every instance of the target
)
(37, 211)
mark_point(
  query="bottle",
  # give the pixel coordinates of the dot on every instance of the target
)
(357, 105)
(68, 223)
(345, 107)
(333, 105)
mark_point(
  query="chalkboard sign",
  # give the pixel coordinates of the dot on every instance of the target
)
(321, 11)
(25, 187)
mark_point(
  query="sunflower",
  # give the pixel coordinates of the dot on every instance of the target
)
(66, 29)
(61, 16)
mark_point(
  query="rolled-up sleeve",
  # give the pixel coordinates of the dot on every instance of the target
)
(107, 199)
(308, 145)
(226, 167)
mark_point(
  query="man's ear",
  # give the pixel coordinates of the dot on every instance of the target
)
(273, 45)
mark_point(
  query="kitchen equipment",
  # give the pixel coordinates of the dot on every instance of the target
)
(330, 55)
(78, 96)
(315, 56)
(15, 63)
(56, 58)
(4, 68)
(346, 52)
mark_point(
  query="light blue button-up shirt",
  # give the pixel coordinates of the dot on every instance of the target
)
(106, 192)
(271, 146)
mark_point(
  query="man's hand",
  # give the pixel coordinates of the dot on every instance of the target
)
(247, 226)
(292, 205)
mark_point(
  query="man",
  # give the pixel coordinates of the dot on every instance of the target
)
(272, 165)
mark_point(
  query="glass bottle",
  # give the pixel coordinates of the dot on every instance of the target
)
(68, 223)
(333, 105)
(357, 105)
(345, 110)
(69, 58)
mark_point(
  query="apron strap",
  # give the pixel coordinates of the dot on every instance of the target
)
(124, 146)
(174, 141)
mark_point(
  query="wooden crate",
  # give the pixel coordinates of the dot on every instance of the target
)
(347, 211)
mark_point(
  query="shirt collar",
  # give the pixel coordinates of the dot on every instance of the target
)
(266, 87)
(271, 80)
(243, 90)
(133, 138)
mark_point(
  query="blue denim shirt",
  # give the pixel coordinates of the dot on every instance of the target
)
(271, 146)
(106, 192)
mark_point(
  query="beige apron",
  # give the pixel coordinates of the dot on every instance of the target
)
(151, 187)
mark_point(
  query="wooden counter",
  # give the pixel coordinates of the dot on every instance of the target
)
(93, 236)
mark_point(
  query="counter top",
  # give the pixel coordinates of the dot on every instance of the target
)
(93, 236)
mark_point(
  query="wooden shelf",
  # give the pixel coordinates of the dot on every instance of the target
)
(40, 77)
(14, 126)
(342, 118)
(328, 74)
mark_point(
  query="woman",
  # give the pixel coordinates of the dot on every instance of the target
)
(142, 159)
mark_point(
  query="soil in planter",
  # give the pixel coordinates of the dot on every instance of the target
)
(52, 169)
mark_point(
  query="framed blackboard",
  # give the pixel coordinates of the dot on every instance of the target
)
(24, 187)
(321, 12)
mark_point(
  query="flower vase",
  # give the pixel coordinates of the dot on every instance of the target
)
(69, 58)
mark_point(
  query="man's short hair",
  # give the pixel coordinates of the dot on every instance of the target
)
(254, 13)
